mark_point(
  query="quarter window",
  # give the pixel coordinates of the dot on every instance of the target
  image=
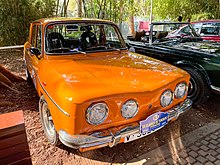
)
(38, 44)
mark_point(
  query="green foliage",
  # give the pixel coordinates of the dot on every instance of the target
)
(114, 10)
(117, 10)
(15, 18)
(202, 16)
(16, 15)
(194, 9)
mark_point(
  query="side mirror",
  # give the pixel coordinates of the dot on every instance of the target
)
(35, 51)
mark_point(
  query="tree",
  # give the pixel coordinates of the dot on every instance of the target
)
(15, 18)
(79, 3)
(195, 9)
(131, 18)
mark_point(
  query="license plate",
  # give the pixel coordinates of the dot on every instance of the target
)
(134, 137)
(153, 123)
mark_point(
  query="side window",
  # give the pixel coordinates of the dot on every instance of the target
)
(209, 29)
(112, 37)
(39, 30)
(111, 34)
(33, 37)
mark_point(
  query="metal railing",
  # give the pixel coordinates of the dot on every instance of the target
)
(12, 47)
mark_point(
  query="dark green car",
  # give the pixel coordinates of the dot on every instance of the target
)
(180, 45)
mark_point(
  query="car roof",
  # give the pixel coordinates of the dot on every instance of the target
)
(70, 19)
(167, 23)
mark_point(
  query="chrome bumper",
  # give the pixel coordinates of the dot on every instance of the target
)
(96, 140)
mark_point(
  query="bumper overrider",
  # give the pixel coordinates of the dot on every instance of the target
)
(112, 138)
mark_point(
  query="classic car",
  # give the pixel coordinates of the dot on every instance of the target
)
(180, 45)
(208, 29)
(93, 92)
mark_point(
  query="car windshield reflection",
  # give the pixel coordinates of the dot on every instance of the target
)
(162, 32)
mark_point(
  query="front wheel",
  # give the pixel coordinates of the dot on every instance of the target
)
(47, 122)
(198, 91)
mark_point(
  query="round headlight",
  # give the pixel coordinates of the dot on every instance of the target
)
(180, 90)
(97, 113)
(166, 98)
(129, 109)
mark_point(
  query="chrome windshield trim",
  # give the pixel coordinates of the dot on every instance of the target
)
(82, 22)
(65, 113)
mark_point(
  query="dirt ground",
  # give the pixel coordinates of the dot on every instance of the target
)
(44, 153)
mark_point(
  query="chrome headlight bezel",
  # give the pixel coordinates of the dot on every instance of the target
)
(91, 110)
(123, 109)
(176, 94)
(166, 92)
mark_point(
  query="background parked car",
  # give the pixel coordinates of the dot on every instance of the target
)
(209, 29)
(180, 45)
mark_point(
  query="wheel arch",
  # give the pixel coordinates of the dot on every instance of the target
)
(196, 66)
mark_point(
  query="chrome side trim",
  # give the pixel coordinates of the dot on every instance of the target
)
(112, 138)
(215, 89)
(65, 113)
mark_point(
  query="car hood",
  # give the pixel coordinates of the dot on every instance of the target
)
(92, 75)
(202, 46)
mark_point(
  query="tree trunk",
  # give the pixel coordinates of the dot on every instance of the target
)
(110, 11)
(85, 9)
(65, 8)
(79, 8)
(131, 19)
(104, 10)
(7, 78)
(131, 24)
(9, 75)
(57, 8)
(121, 14)
(115, 11)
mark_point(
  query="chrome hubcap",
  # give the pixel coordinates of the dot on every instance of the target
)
(192, 90)
(47, 119)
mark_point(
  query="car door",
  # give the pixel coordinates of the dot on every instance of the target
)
(32, 58)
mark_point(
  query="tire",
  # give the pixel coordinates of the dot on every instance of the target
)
(28, 76)
(198, 91)
(47, 122)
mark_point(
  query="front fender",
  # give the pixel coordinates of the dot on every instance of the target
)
(196, 66)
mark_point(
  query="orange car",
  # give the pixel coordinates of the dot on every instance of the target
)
(93, 92)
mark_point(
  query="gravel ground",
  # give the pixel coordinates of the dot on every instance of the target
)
(44, 153)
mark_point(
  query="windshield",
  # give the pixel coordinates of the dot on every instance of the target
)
(175, 30)
(82, 38)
